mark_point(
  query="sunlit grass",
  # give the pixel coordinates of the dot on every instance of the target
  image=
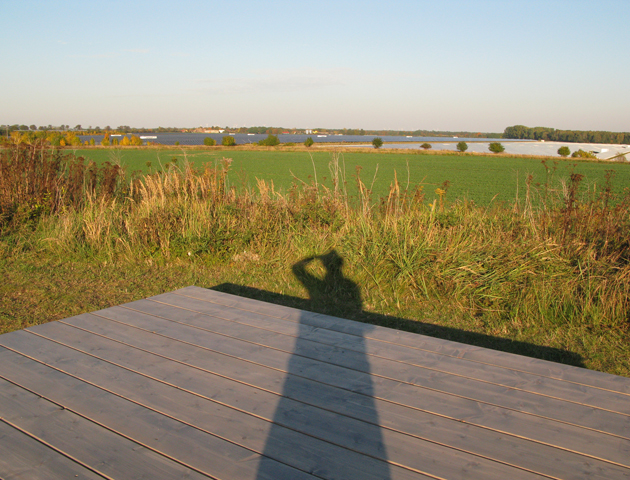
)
(551, 270)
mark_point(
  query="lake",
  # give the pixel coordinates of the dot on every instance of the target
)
(245, 138)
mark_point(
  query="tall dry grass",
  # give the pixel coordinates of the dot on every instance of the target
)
(36, 180)
(562, 261)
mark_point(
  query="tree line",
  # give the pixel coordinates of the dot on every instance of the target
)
(572, 136)
(58, 138)
(126, 129)
(8, 129)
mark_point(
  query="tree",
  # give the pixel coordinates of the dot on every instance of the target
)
(270, 141)
(308, 142)
(496, 147)
(136, 141)
(72, 139)
(564, 151)
(125, 142)
(377, 142)
(209, 142)
(426, 146)
(33, 127)
(583, 154)
(228, 141)
(105, 141)
(462, 147)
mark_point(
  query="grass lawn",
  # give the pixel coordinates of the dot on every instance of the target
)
(482, 179)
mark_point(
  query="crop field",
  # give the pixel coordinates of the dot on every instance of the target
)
(482, 179)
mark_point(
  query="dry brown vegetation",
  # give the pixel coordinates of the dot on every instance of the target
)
(551, 273)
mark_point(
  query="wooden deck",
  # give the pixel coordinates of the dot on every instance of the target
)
(201, 384)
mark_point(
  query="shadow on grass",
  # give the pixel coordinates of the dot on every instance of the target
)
(339, 297)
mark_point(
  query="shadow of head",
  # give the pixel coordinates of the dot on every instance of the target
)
(333, 293)
(333, 263)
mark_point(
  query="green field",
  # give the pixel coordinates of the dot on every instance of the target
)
(481, 179)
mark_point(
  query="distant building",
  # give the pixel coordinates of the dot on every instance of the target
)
(206, 130)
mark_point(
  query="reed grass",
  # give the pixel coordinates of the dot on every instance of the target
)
(551, 271)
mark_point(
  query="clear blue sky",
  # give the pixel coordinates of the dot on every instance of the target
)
(437, 65)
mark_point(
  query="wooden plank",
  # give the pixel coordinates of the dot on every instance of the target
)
(515, 451)
(326, 460)
(574, 438)
(93, 445)
(438, 426)
(557, 409)
(421, 342)
(225, 321)
(24, 457)
(160, 431)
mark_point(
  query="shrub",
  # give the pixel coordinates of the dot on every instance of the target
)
(177, 143)
(308, 142)
(582, 154)
(564, 151)
(377, 142)
(426, 146)
(228, 141)
(270, 141)
(462, 146)
(496, 147)
(209, 142)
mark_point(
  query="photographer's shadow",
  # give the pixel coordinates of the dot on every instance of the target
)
(335, 293)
